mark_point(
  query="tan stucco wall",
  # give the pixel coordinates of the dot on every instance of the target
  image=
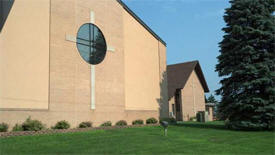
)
(210, 113)
(192, 97)
(171, 103)
(142, 74)
(163, 101)
(24, 56)
(70, 77)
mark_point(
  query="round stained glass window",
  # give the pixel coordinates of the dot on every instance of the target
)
(91, 43)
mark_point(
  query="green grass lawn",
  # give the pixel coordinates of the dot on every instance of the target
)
(185, 138)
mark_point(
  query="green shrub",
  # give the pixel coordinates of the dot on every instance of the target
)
(62, 125)
(137, 122)
(193, 118)
(4, 127)
(170, 120)
(17, 127)
(151, 120)
(85, 125)
(108, 123)
(121, 123)
(243, 125)
(32, 125)
(227, 124)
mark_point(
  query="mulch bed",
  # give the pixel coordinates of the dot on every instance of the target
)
(53, 131)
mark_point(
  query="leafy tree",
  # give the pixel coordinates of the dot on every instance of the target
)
(247, 63)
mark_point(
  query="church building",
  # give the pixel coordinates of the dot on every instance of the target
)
(186, 88)
(79, 60)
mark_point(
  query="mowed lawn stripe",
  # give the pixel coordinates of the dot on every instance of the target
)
(189, 138)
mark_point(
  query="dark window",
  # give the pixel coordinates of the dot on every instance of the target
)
(177, 100)
(91, 43)
(5, 7)
(173, 108)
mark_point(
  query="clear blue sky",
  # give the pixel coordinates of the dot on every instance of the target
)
(191, 29)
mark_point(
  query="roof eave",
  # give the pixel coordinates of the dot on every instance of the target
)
(140, 21)
(202, 78)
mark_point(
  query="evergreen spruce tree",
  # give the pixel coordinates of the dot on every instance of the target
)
(247, 62)
(205, 99)
(211, 99)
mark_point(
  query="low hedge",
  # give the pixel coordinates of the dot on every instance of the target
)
(61, 125)
(4, 127)
(121, 123)
(138, 122)
(85, 125)
(170, 120)
(32, 125)
(151, 120)
(17, 127)
(193, 118)
(108, 123)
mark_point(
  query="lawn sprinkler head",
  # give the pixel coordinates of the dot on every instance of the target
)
(164, 124)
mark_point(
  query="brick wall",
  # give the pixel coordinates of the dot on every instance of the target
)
(69, 76)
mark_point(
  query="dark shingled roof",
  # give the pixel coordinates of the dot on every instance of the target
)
(178, 75)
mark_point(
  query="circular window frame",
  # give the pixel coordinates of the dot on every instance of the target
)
(80, 51)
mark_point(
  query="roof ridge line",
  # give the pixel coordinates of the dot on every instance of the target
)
(140, 21)
(184, 62)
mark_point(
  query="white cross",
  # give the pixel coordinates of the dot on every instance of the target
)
(72, 38)
(92, 20)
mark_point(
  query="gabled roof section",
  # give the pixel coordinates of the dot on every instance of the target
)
(5, 7)
(140, 21)
(178, 75)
